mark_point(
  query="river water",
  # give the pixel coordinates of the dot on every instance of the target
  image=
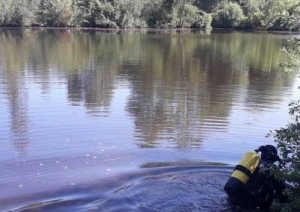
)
(133, 120)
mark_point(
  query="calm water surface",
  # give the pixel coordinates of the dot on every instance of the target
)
(133, 121)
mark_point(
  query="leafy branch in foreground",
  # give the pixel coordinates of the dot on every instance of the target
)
(288, 143)
(290, 59)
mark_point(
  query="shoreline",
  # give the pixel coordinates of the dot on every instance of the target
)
(166, 30)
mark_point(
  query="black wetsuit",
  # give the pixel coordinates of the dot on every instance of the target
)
(260, 190)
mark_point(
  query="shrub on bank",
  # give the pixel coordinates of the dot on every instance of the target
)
(17, 13)
(93, 13)
(288, 142)
(54, 13)
(228, 14)
(203, 20)
(195, 18)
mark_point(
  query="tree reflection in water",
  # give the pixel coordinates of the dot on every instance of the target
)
(182, 85)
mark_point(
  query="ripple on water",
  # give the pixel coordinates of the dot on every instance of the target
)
(152, 189)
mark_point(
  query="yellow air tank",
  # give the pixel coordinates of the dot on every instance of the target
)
(242, 173)
(246, 166)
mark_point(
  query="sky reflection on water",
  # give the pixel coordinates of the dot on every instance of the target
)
(101, 103)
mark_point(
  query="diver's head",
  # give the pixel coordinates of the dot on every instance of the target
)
(269, 153)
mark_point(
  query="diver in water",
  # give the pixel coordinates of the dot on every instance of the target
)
(252, 185)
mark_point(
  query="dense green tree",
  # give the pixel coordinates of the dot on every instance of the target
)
(94, 13)
(290, 55)
(266, 14)
(169, 13)
(54, 12)
(207, 5)
(128, 13)
(228, 14)
(293, 16)
(190, 15)
(81, 12)
(203, 20)
(17, 13)
(153, 13)
(176, 13)
(254, 14)
(160, 13)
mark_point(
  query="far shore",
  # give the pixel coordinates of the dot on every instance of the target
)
(160, 30)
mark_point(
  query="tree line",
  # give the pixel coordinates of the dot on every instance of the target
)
(125, 14)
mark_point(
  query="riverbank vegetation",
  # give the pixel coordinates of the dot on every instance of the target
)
(288, 138)
(124, 14)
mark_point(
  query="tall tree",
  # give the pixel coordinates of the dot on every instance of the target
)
(94, 13)
(266, 14)
(228, 14)
(128, 13)
(54, 12)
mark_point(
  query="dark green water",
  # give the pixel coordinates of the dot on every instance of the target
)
(113, 120)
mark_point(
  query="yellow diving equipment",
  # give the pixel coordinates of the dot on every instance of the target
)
(242, 173)
(246, 166)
